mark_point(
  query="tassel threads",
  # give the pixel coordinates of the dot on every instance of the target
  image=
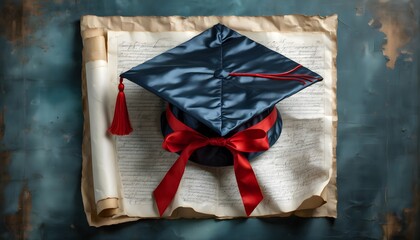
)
(121, 123)
(284, 76)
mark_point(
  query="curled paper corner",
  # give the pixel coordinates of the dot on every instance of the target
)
(398, 28)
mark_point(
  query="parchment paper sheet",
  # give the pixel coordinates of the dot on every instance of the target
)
(94, 30)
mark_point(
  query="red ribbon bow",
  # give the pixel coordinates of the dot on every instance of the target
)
(187, 140)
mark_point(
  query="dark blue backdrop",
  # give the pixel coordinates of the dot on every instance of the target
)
(41, 122)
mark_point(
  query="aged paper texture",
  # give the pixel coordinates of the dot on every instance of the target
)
(308, 173)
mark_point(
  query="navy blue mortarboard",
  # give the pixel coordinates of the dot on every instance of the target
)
(220, 84)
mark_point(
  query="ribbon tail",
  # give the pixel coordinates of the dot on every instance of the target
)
(167, 188)
(247, 183)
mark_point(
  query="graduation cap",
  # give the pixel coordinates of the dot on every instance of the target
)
(221, 88)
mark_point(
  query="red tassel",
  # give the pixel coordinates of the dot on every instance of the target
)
(121, 123)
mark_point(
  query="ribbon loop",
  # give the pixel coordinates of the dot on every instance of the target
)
(255, 141)
(179, 140)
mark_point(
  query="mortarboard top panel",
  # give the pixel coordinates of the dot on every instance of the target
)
(198, 77)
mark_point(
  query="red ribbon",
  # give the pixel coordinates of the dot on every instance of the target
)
(186, 140)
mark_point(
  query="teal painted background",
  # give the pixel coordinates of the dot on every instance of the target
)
(41, 122)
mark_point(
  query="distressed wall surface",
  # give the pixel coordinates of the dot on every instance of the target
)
(378, 128)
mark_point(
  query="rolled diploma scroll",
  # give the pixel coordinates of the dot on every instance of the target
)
(102, 144)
